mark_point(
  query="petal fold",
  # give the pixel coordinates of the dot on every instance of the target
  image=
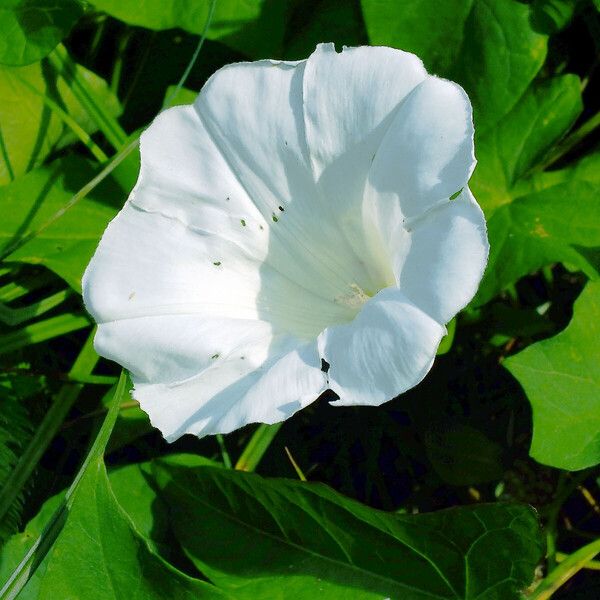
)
(386, 350)
(446, 258)
(427, 153)
(233, 394)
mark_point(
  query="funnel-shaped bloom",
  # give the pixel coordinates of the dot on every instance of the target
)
(295, 213)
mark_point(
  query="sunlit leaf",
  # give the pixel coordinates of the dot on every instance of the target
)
(557, 224)
(68, 243)
(562, 381)
(29, 130)
(508, 152)
(31, 29)
(488, 46)
(238, 23)
(111, 559)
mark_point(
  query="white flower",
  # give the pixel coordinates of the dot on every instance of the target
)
(297, 212)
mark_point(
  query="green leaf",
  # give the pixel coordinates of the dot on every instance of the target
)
(488, 46)
(240, 24)
(556, 224)
(29, 130)
(100, 555)
(31, 29)
(562, 381)
(133, 490)
(19, 544)
(432, 31)
(42, 331)
(256, 535)
(16, 316)
(108, 541)
(66, 245)
(511, 150)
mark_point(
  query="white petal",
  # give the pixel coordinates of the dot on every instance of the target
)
(232, 394)
(183, 174)
(386, 350)
(148, 265)
(448, 252)
(427, 152)
(349, 101)
(171, 348)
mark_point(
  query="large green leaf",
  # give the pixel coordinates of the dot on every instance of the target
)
(266, 538)
(510, 151)
(67, 245)
(556, 224)
(111, 560)
(31, 29)
(486, 45)
(241, 24)
(562, 381)
(533, 218)
(29, 129)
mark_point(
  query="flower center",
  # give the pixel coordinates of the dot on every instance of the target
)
(355, 299)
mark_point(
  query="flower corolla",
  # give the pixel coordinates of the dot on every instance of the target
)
(302, 226)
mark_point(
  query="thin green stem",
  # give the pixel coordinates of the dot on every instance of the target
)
(301, 475)
(257, 446)
(95, 45)
(593, 565)
(115, 79)
(105, 122)
(52, 422)
(224, 454)
(565, 570)
(45, 541)
(567, 483)
(192, 62)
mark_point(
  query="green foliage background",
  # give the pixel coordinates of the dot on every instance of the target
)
(460, 488)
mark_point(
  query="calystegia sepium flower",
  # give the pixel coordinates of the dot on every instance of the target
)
(298, 215)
